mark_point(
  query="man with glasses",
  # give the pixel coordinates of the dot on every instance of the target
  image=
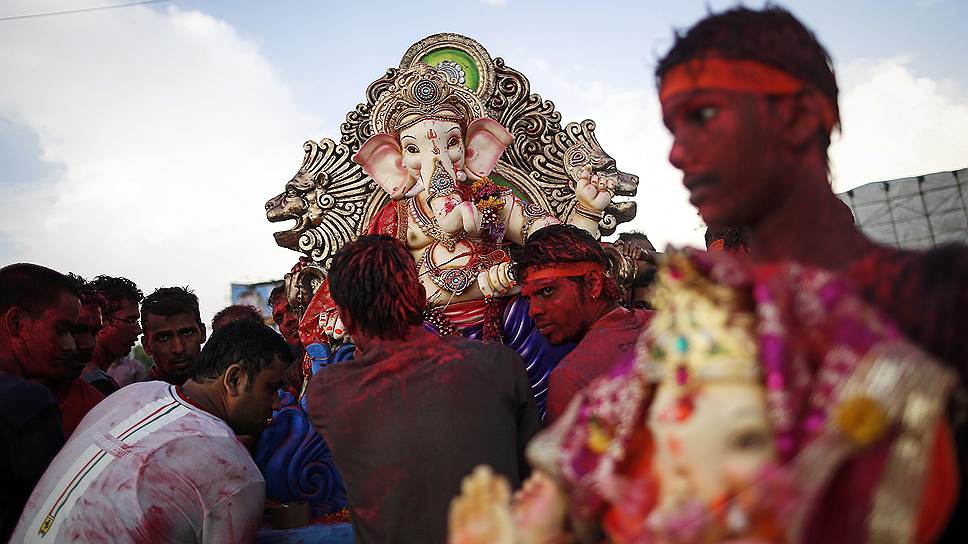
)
(120, 330)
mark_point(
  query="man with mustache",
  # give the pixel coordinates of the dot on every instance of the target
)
(156, 462)
(750, 98)
(573, 300)
(38, 310)
(75, 397)
(121, 329)
(173, 333)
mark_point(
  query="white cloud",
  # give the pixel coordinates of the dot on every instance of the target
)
(171, 130)
(896, 124)
(630, 129)
(495, 2)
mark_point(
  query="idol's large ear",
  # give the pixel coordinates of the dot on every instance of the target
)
(486, 141)
(381, 159)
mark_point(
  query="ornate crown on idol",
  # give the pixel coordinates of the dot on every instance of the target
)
(701, 332)
(423, 92)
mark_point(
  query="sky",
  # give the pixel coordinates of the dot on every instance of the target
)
(143, 141)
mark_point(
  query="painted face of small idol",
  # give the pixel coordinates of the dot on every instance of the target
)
(710, 442)
(728, 152)
(556, 307)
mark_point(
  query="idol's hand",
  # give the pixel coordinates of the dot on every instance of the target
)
(539, 510)
(496, 281)
(593, 191)
(333, 326)
(481, 514)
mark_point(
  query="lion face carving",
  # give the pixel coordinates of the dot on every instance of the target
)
(328, 199)
(585, 150)
(300, 202)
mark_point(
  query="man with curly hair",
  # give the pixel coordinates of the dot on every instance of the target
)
(119, 333)
(563, 272)
(412, 412)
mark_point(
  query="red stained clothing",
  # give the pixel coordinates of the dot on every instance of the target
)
(78, 401)
(407, 420)
(611, 340)
(147, 466)
(925, 293)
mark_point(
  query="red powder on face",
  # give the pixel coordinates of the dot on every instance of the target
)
(556, 309)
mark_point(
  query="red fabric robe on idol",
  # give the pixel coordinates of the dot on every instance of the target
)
(390, 220)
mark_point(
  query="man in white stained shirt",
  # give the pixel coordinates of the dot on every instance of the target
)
(156, 462)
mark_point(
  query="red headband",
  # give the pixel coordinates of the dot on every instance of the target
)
(736, 75)
(562, 270)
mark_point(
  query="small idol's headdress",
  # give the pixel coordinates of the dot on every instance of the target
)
(423, 92)
(702, 331)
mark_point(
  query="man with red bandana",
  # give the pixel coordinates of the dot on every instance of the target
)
(573, 300)
(751, 100)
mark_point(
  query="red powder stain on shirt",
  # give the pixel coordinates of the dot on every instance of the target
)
(155, 527)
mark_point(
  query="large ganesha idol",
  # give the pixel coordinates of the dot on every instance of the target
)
(764, 406)
(453, 155)
(457, 187)
(432, 152)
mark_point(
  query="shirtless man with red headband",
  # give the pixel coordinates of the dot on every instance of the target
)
(562, 272)
(751, 100)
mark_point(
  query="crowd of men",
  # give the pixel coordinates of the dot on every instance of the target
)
(162, 459)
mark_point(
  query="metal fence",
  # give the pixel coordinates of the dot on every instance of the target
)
(913, 213)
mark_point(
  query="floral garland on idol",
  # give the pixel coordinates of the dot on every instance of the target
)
(489, 200)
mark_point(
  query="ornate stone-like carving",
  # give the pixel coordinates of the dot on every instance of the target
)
(332, 200)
